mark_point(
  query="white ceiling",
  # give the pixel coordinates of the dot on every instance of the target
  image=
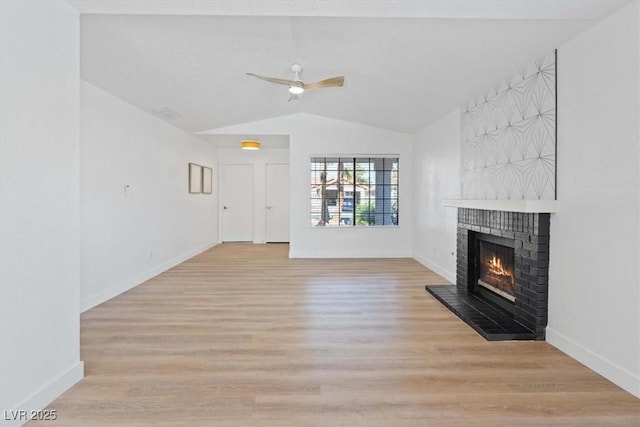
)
(401, 72)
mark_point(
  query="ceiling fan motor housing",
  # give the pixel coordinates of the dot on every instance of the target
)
(296, 90)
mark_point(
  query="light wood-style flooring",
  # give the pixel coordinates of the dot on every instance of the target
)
(243, 336)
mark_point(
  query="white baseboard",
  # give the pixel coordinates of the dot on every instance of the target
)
(611, 371)
(138, 279)
(42, 397)
(337, 253)
(450, 276)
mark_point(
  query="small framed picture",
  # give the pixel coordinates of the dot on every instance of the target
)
(195, 178)
(207, 180)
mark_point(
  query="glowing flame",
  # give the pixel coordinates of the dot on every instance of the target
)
(496, 267)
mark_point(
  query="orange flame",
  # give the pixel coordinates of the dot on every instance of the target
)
(496, 267)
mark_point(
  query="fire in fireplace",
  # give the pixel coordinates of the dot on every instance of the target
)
(497, 269)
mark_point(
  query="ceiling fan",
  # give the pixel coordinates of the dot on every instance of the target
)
(297, 86)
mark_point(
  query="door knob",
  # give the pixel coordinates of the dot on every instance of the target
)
(269, 207)
(225, 208)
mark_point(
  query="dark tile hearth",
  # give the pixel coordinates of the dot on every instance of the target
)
(489, 320)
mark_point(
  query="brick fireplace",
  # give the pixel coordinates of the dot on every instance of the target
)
(515, 259)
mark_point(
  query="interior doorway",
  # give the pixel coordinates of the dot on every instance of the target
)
(277, 203)
(236, 201)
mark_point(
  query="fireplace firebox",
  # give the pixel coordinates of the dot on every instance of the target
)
(502, 274)
(495, 269)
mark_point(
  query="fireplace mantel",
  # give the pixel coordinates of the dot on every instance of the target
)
(526, 206)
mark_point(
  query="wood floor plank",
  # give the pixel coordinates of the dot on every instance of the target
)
(241, 335)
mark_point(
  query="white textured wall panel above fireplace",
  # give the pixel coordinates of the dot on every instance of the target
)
(508, 137)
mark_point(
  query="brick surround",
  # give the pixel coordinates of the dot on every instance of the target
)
(530, 233)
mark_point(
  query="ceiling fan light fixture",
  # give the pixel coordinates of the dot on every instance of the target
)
(296, 90)
(296, 85)
(250, 144)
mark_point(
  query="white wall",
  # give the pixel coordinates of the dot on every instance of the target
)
(436, 177)
(314, 136)
(259, 160)
(311, 135)
(595, 236)
(39, 272)
(128, 238)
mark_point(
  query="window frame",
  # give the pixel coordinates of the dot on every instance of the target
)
(390, 197)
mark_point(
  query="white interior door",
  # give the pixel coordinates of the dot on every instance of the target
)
(236, 197)
(277, 206)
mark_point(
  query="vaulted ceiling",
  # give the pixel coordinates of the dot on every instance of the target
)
(405, 63)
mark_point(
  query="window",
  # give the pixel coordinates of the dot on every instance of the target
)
(354, 191)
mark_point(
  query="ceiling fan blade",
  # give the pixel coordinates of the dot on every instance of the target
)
(278, 81)
(332, 82)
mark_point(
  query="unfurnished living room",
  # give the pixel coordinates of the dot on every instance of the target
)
(320, 213)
